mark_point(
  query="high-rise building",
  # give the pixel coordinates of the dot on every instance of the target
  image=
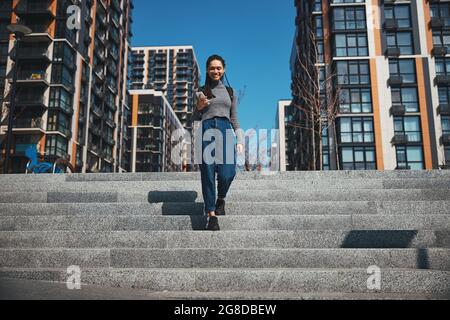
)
(390, 66)
(174, 71)
(156, 134)
(71, 96)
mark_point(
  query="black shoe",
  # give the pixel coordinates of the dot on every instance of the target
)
(213, 224)
(220, 207)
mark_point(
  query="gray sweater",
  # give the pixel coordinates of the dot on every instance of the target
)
(220, 106)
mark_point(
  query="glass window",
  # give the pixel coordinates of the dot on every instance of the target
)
(445, 121)
(357, 158)
(355, 100)
(356, 130)
(351, 45)
(444, 95)
(401, 13)
(406, 97)
(410, 126)
(410, 157)
(351, 18)
(443, 66)
(441, 11)
(441, 38)
(401, 40)
(353, 72)
(447, 155)
(404, 68)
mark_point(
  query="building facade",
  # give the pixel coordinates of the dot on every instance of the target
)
(71, 96)
(390, 64)
(286, 137)
(156, 132)
(174, 71)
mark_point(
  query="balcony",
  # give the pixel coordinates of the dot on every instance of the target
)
(437, 23)
(34, 8)
(95, 130)
(392, 52)
(398, 110)
(390, 24)
(28, 54)
(28, 123)
(443, 110)
(395, 80)
(442, 79)
(439, 51)
(400, 139)
(32, 77)
(445, 139)
(97, 111)
(31, 100)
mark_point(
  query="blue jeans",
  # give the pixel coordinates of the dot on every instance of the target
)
(226, 170)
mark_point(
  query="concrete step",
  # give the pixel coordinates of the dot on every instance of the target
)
(430, 258)
(232, 208)
(261, 281)
(234, 196)
(182, 185)
(248, 222)
(299, 175)
(226, 239)
(18, 289)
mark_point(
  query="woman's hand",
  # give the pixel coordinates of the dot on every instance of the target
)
(240, 147)
(203, 102)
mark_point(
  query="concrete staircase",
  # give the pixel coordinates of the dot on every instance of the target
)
(296, 235)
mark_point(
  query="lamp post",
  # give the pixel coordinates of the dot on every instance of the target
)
(19, 31)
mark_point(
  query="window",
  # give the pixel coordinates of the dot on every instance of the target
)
(404, 68)
(406, 97)
(349, 18)
(58, 121)
(355, 100)
(447, 155)
(445, 121)
(444, 95)
(60, 99)
(353, 72)
(442, 67)
(401, 40)
(351, 45)
(410, 157)
(62, 75)
(358, 158)
(441, 38)
(441, 11)
(318, 26)
(56, 145)
(318, 5)
(356, 130)
(410, 126)
(63, 53)
(401, 13)
(320, 51)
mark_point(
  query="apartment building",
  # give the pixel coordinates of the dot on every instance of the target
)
(156, 132)
(390, 64)
(174, 71)
(71, 96)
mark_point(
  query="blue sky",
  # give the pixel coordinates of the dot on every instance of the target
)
(253, 36)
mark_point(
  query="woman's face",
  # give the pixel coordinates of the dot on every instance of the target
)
(215, 70)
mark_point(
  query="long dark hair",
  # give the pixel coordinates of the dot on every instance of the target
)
(209, 82)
